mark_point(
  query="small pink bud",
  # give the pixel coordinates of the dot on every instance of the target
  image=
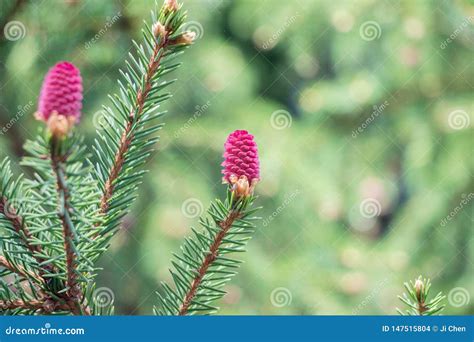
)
(241, 164)
(61, 93)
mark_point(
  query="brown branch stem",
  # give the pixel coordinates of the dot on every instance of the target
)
(208, 260)
(127, 136)
(33, 304)
(74, 292)
(20, 228)
(20, 271)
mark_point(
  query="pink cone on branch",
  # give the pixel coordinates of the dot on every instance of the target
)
(60, 100)
(241, 166)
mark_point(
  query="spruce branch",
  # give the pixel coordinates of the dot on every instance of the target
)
(63, 205)
(204, 267)
(20, 271)
(58, 160)
(416, 298)
(10, 190)
(126, 140)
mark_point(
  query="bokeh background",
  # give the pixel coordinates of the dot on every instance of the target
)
(363, 116)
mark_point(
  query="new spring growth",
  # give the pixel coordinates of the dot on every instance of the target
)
(60, 100)
(419, 290)
(241, 165)
(159, 30)
(185, 38)
(171, 6)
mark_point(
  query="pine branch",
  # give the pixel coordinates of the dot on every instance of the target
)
(126, 139)
(203, 268)
(417, 299)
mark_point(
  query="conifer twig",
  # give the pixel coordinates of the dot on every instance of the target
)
(20, 271)
(203, 267)
(416, 298)
(19, 225)
(127, 135)
(64, 209)
(32, 304)
(209, 259)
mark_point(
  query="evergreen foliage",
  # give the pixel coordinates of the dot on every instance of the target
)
(57, 224)
(416, 298)
(204, 266)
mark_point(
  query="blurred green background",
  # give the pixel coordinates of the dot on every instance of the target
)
(363, 116)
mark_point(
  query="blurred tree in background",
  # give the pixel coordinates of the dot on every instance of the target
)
(363, 116)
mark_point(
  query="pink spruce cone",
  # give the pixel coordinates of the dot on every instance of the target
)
(241, 164)
(61, 93)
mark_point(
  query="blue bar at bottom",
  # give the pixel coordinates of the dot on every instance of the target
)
(237, 328)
